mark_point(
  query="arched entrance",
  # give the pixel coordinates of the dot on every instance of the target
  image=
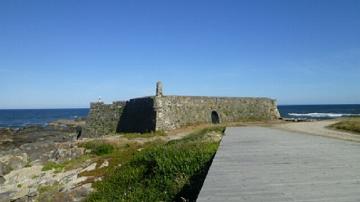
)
(215, 117)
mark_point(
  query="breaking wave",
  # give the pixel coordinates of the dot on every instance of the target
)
(323, 115)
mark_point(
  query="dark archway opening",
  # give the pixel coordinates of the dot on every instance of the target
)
(215, 117)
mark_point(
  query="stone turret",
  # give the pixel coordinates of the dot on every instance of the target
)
(159, 89)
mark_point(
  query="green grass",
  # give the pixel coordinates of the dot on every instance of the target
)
(350, 124)
(119, 156)
(160, 172)
(143, 135)
(66, 165)
(53, 166)
(99, 148)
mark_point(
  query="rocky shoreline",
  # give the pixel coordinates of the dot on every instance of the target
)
(23, 153)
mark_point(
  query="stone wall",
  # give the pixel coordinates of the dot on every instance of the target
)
(103, 118)
(178, 111)
(138, 116)
(171, 112)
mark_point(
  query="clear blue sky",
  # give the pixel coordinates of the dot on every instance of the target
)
(67, 53)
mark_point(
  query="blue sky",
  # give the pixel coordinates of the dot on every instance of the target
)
(67, 53)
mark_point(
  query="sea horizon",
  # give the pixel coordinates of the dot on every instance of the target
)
(60, 108)
(18, 118)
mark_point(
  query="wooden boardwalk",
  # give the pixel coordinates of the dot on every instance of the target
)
(261, 164)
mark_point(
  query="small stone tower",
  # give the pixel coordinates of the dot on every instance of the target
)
(159, 89)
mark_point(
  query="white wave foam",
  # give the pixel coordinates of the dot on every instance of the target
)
(323, 115)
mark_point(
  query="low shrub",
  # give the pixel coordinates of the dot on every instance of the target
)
(99, 148)
(350, 124)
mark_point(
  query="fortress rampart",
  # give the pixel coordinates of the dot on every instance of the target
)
(103, 118)
(178, 111)
(161, 112)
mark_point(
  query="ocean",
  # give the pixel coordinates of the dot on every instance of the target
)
(16, 118)
(319, 111)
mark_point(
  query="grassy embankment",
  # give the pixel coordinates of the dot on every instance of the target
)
(156, 171)
(349, 124)
(152, 171)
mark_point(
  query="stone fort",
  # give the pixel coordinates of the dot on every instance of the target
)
(163, 113)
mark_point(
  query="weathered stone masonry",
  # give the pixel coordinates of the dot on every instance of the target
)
(161, 112)
(103, 118)
(178, 111)
(138, 116)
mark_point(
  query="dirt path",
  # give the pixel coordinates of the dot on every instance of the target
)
(318, 128)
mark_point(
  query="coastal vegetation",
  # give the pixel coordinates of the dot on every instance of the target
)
(349, 124)
(99, 148)
(158, 170)
(154, 166)
(66, 165)
(53, 166)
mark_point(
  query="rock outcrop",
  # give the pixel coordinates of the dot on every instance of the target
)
(23, 152)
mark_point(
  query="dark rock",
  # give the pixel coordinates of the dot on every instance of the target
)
(4, 168)
(2, 180)
(22, 199)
